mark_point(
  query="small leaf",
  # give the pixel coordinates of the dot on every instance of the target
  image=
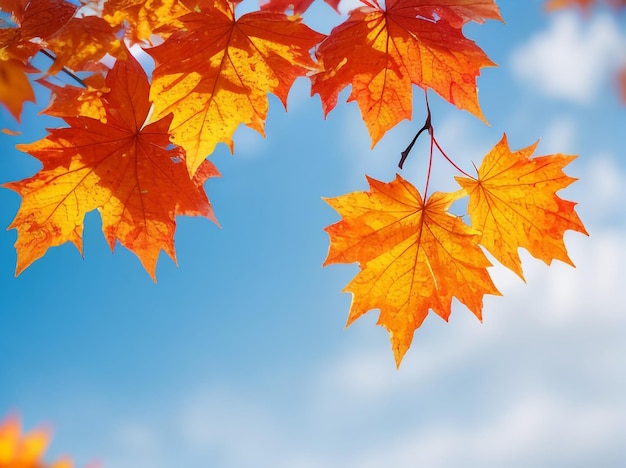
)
(513, 203)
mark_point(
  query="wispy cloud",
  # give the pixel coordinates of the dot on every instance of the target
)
(573, 59)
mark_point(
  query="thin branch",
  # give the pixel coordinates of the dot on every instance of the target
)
(427, 126)
(64, 70)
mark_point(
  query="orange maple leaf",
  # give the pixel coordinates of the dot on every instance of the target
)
(216, 73)
(126, 168)
(15, 88)
(513, 203)
(27, 451)
(382, 52)
(39, 18)
(74, 101)
(82, 43)
(414, 256)
(145, 17)
(34, 19)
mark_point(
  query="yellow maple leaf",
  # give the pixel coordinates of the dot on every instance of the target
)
(414, 256)
(145, 16)
(513, 203)
(216, 73)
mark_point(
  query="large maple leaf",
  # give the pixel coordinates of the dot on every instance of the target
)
(17, 451)
(382, 52)
(216, 73)
(126, 168)
(513, 203)
(414, 256)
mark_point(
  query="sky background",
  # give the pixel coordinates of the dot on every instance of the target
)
(238, 357)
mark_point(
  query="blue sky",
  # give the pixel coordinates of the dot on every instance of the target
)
(239, 357)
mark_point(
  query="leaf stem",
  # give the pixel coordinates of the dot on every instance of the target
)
(64, 69)
(443, 153)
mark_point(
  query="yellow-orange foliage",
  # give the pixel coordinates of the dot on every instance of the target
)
(125, 168)
(382, 52)
(216, 72)
(415, 256)
(25, 451)
(136, 150)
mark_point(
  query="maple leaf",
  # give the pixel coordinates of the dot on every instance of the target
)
(126, 168)
(145, 17)
(34, 20)
(74, 101)
(40, 18)
(215, 74)
(382, 52)
(82, 43)
(513, 203)
(25, 452)
(414, 256)
(15, 88)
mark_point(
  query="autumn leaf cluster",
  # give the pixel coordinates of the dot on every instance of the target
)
(135, 147)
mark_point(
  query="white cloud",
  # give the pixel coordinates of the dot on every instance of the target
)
(535, 430)
(573, 59)
(560, 136)
(221, 425)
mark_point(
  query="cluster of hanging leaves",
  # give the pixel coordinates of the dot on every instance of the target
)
(25, 451)
(135, 149)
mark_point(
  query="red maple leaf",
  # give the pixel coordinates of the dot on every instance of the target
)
(126, 168)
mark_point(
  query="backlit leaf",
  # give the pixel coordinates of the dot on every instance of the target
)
(414, 256)
(125, 168)
(513, 203)
(383, 52)
(216, 73)
(15, 88)
(82, 43)
(74, 101)
(145, 17)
